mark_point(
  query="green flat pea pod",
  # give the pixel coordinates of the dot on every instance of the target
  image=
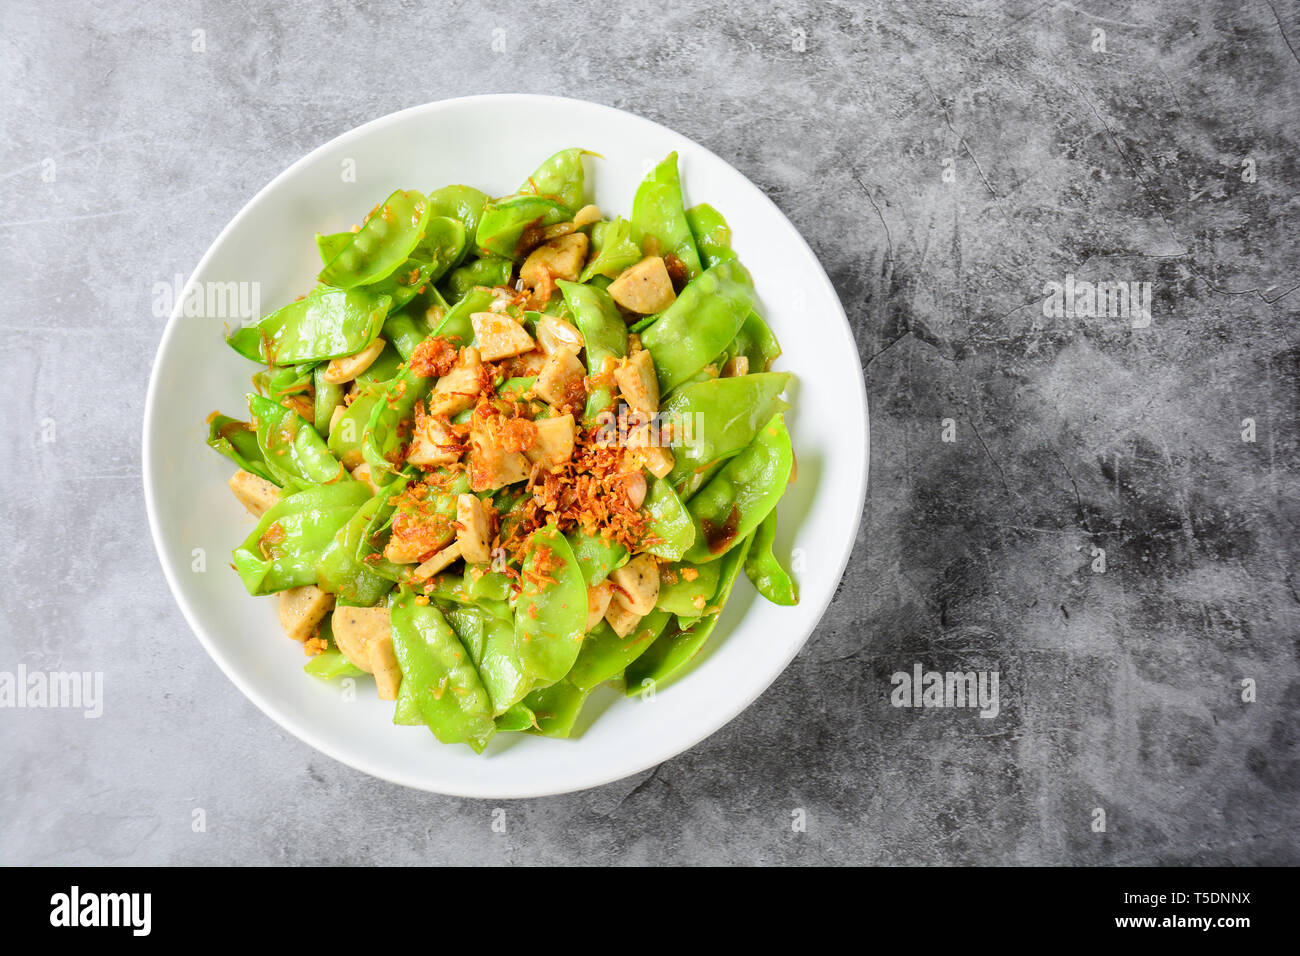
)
(765, 571)
(700, 324)
(490, 271)
(658, 213)
(722, 415)
(742, 493)
(406, 712)
(482, 583)
(605, 655)
(285, 380)
(383, 243)
(328, 398)
(550, 618)
(756, 342)
(597, 556)
(283, 549)
(671, 524)
(456, 326)
(464, 203)
(404, 332)
(326, 324)
(383, 437)
(612, 250)
(349, 431)
(560, 178)
(332, 665)
(711, 233)
(685, 589)
(445, 687)
(238, 441)
(603, 331)
(292, 448)
(515, 719)
(491, 644)
(443, 245)
(504, 222)
(677, 646)
(555, 708)
(331, 244)
(338, 569)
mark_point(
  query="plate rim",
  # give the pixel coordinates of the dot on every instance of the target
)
(321, 742)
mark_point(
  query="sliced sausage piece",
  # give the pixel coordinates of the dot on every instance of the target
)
(638, 382)
(561, 371)
(457, 390)
(598, 596)
(561, 258)
(357, 628)
(473, 532)
(499, 336)
(554, 443)
(254, 493)
(302, 609)
(636, 584)
(621, 618)
(383, 663)
(644, 288)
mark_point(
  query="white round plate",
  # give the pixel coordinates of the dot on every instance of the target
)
(493, 142)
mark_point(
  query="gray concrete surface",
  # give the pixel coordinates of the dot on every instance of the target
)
(946, 162)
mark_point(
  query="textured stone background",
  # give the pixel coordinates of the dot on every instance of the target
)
(1121, 689)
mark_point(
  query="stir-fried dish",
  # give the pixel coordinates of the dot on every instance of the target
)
(509, 449)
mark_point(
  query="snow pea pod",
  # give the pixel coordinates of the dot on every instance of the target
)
(383, 438)
(340, 572)
(703, 320)
(293, 449)
(551, 614)
(504, 222)
(555, 708)
(517, 718)
(456, 327)
(724, 414)
(405, 332)
(491, 644)
(331, 665)
(383, 243)
(711, 233)
(350, 431)
(605, 655)
(238, 441)
(446, 689)
(764, 570)
(596, 555)
(671, 525)
(658, 213)
(676, 647)
(612, 250)
(459, 202)
(328, 398)
(283, 549)
(560, 178)
(686, 588)
(326, 324)
(489, 271)
(603, 332)
(741, 494)
(331, 244)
